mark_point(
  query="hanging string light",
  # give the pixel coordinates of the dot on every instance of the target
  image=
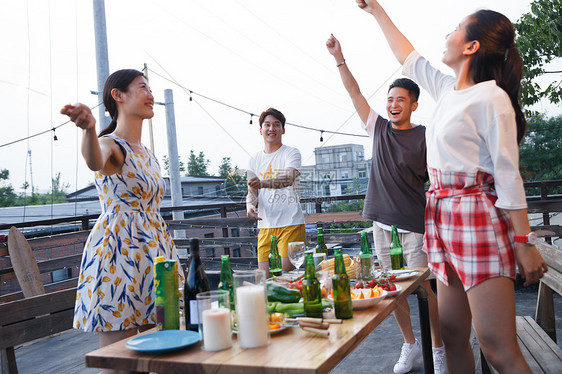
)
(321, 137)
(251, 116)
(55, 135)
(190, 97)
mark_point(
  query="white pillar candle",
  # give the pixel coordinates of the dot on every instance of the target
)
(217, 332)
(251, 316)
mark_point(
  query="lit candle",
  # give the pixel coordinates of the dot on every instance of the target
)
(217, 332)
(251, 316)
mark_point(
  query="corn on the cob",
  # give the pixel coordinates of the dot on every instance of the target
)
(329, 264)
(351, 267)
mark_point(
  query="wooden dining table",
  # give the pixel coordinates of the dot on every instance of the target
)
(290, 351)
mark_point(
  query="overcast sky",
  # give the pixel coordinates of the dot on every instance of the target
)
(249, 54)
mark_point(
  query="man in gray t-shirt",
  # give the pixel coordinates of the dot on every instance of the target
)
(395, 194)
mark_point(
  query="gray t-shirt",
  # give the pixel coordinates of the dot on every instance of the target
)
(395, 192)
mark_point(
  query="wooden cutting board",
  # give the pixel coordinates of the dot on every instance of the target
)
(24, 264)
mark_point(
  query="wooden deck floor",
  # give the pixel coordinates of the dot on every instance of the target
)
(64, 353)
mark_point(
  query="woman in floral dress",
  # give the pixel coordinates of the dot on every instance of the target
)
(115, 290)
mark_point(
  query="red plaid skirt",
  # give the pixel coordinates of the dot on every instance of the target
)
(464, 228)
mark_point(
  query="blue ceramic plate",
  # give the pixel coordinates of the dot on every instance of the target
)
(161, 341)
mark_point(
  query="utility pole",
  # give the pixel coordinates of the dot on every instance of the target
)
(150, 132)
(102, 59)
(175, 179)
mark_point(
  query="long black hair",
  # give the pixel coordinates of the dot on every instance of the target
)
(121, 79)
(497, 58)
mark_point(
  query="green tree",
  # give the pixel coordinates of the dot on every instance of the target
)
(541, 150)
(197, 165)
(7, 195)
(538, 38)
(166, 164)
(58, 190)
(225, 168)
(236, 186)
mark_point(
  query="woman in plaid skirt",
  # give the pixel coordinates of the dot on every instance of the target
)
(476, 225)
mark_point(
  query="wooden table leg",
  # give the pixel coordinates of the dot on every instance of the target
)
(423, 305)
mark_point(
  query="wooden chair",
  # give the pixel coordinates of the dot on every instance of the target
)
(537, 337)
(38, 314)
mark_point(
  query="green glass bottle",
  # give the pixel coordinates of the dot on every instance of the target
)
(320, 245)
(340, 288)
(396, 253)
(275, 268)
(225, 282)
(311, 289)
(365, 258)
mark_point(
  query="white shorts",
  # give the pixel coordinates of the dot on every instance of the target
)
(412, 244)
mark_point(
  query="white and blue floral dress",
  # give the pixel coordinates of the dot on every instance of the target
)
(115, 286)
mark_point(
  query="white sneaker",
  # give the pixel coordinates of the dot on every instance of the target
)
(439, 360)
(410, 352)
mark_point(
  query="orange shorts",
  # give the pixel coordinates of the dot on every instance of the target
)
(285, 235)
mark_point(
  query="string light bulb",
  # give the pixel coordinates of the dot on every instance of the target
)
(321, 133)
(55, 135)
(251, 116)
(190, 97)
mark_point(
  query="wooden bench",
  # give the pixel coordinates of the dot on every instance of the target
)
(537, 337)
(41, 314)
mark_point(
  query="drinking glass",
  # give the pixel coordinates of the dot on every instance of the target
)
(214, 319)
(251, 308)
(296, 255)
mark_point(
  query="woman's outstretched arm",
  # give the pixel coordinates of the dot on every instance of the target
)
(400, 45)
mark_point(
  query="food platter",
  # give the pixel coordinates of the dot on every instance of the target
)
(403, 274)
(366, 302)
(395, 292)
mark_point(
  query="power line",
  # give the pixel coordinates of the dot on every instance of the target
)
(42, 132)
(191, 93)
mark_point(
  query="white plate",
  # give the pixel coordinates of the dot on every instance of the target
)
(403, 274)
(364, 303)
(396, 292)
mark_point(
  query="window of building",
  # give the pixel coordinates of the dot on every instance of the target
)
(342, 157)
(200, 190)
(326, 190)
(61, 274)
(235, 232)
(218, 190)
(209, 235)
(362, 174)
(345, 174)
(360, 156)
(325, 158)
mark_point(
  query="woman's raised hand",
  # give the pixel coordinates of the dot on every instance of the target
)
(333, 46)
(80, 114)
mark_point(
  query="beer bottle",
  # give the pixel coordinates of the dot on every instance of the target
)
(225, 282)
(196, 281)
(396, 253)
(311, 289)
(340, 288)
(275, 267)
(365, 257)
(320, 245)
